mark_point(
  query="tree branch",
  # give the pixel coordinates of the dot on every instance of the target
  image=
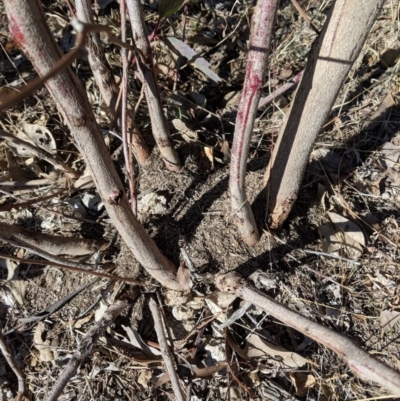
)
(158, 122)
(330, 60)
(262, 25)
(28, 26)
(359, 361)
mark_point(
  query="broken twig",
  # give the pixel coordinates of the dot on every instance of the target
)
(165, 351)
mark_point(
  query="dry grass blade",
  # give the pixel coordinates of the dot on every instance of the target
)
(360, 362)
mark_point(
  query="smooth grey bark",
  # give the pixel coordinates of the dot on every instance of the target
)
(330, 60)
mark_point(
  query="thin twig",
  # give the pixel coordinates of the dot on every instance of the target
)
(264, 102)
(85, 347)
(305, 16)
(7, 353)
(71, 268)
(126, 142)
(165, 351)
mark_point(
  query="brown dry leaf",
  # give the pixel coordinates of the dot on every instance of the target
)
(226, 153)
(378, 117)
(302, 382)
(188, 134)
(80, 322)
(5, 93)
(389, 319)
(47, 350)
(259, 348)
(348, 236)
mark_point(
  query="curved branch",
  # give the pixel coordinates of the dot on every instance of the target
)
(28, 26)
(262, 24)
(359, 361)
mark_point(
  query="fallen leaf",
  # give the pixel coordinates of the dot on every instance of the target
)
(47, 350)
(188, 134)
(193, 58)
(259, 348)
(389, 319)
(343, 235)
(183, 277)
(40, 136)
(136, 340)
(379, 116)
(302, 382)
(166, 8)
(390, 155)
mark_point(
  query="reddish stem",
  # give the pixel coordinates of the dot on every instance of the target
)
(262, 25)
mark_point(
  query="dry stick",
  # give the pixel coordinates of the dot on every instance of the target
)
(40, 153)
(104, 77)
(261, 31)
(305, 16)
(67, 265)
(158, 122)
(7, 353)
(363, 365)
(165, 351)
(85, 347)
(330, 60)
(72, 269)
(9, 186)
(33, 201)
(53, 244)
(264, 102)
(36, 41)
(124, 98)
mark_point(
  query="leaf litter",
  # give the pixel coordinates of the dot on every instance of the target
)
(195, 214)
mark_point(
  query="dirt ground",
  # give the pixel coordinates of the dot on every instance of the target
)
(346, 281)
